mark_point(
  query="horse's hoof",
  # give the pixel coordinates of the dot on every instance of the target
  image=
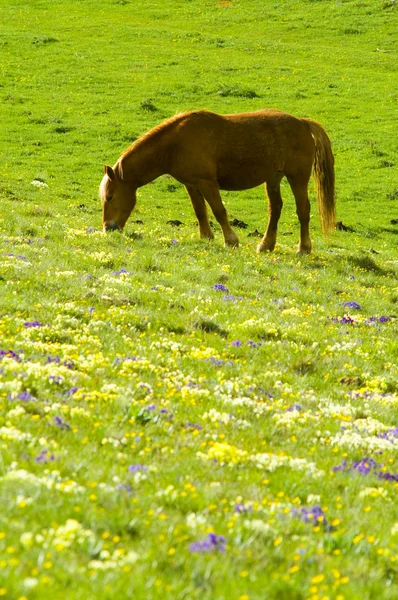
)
(231, 243)
(265, 248)
(304, 250)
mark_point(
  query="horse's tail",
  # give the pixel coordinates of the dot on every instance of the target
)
(324, 176)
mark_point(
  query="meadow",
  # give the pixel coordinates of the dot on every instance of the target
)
(178, 419)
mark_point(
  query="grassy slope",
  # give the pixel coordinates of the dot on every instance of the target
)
(78, 83)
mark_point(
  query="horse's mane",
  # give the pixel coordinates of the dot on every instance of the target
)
(159, 129)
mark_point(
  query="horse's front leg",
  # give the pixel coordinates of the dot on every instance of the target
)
(274, 208)
(211, 193)
(199, 207)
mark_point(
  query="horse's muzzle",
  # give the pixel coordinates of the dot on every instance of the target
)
(111, 227)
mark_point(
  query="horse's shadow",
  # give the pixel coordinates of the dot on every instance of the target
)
(368, 264)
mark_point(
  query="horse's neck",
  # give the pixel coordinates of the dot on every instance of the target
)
(144, 164)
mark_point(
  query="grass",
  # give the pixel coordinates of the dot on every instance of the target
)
(156, 388)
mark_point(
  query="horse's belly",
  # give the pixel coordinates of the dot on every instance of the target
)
(244, 177)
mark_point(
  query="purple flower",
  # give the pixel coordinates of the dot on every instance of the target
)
(237, 344)
(193, 426)
(72, 391)
(33, 324)
(61, 424)
(25, 397)
(347, 320)
(242, 508)
(211, 543)
(218, 362)
(174, 241)
(232, 298)
(313, 515)
(390, 435)
(136, 468)
(44, 457)
(118, 360)
(252, 344)
(294, 407)
(220, 287)
(120, 272)
(352, 305)
(9, 354)
(365, 465)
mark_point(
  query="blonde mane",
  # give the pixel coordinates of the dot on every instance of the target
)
(149, 135)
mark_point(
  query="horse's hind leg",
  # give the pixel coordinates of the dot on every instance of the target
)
(199, 207)
(299, 187)
(211, 193)
(274, 208)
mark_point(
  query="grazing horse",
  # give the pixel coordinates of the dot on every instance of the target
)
(208, 152)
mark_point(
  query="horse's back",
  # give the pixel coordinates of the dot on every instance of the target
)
(245, 149)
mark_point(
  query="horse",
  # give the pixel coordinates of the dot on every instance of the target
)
(209, 152)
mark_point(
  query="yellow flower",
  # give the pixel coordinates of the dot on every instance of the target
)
(225, 453)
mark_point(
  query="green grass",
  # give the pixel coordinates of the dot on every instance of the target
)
(146, 408)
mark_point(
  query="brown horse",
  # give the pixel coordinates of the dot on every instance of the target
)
(208, 152)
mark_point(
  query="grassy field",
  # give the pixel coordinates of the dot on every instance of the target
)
(177, 419)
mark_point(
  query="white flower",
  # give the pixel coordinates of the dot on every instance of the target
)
(30, 582)
(378, 492)
(194, 521)
(217, 417)
(313, 499)
(258, 526)
(394, 529)
(27, 539)
(39, 184)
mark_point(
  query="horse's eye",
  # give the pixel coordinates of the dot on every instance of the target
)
(108, 199)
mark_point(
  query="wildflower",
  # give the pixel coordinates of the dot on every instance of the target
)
(242, 508)
(294, 407)
(136, 468)
(44, 457)
(390, 435)
(61, 424)
(39, 184)
(220, 287)
(211, 543)
(33, 324)
(225, 453)
(352, 305)
(9, 354)
(236, 344)
(314, 515)
(25, 397)
(232, 298)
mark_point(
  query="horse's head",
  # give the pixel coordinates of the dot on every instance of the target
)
(118, 199)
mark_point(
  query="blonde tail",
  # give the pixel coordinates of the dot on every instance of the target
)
(324, 176)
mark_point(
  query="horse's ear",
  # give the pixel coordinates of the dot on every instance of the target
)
(110, 172)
